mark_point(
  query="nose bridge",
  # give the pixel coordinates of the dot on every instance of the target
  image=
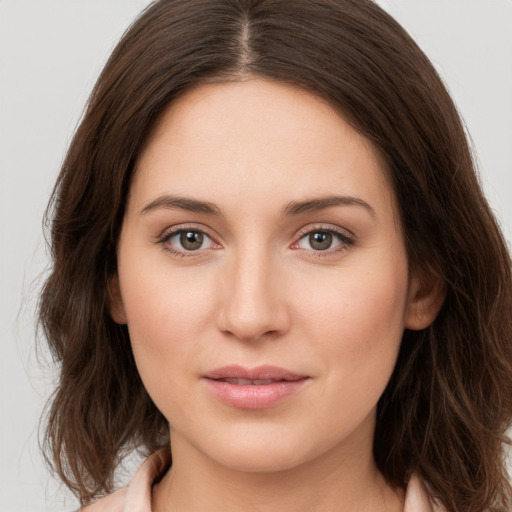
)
(253, 302)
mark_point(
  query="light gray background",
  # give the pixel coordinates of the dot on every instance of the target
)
(50, 54)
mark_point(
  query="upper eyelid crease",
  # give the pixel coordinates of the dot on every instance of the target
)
(169, 233)
(293, 208)
(343, 237)
(336, 230)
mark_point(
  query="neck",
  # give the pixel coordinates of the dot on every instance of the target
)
(342, 480)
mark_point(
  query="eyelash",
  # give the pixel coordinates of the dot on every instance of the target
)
(345, 241)
(168, 235)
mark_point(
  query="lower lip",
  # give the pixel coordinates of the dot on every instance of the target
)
(254, 396)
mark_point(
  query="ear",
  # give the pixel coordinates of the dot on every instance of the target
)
(115, 300)
(426, 296)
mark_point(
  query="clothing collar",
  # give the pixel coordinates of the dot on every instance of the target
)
(136, 496)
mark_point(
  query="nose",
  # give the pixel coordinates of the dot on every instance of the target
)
(254, 299)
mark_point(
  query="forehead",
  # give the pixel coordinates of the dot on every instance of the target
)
(253, 139)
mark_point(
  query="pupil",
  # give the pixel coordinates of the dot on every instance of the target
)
(320, 241)
(191, 240)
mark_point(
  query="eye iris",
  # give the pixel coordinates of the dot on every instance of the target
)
(320, 241)
(191, 240)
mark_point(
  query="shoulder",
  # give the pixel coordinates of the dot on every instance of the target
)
(136, 496)
(114, 502)
(417, 499)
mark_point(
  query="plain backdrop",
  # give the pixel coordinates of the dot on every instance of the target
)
(51, 51)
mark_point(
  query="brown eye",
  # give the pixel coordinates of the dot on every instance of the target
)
(320, 240)
(191, 240)
(184, 241)
(323, 240)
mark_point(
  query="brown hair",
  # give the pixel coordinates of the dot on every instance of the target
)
(446, 409)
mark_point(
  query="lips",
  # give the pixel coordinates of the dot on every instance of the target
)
(247, 382)
(256, 388)
(265, 372)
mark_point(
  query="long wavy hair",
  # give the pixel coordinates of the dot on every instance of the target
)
(447, 407)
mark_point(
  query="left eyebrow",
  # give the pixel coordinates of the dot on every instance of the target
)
(182, 203)
(321, 203)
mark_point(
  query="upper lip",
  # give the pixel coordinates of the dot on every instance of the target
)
(264, 372)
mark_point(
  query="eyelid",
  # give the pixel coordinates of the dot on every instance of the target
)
(330, 228)
(171, 231)
(346, 237)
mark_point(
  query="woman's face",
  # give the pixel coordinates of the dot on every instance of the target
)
(263, 277)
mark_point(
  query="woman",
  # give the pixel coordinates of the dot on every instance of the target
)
(273, 260)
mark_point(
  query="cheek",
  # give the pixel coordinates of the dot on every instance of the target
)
(357, 317)
(153, 305)
(166, 311)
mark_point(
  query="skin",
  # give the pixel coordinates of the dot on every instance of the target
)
(258, 291)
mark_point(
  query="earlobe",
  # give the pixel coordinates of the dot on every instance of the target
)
(115, 300)
(426, 296)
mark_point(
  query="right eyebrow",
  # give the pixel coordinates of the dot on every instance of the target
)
(182, 203)
(321, 203)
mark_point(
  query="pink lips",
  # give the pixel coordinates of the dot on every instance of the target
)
(257, 388)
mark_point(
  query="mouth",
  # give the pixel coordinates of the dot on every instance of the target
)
(260, 375)
(258, 388)
(247, 382)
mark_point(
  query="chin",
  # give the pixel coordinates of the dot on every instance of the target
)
(259, 459)
(261, 450)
